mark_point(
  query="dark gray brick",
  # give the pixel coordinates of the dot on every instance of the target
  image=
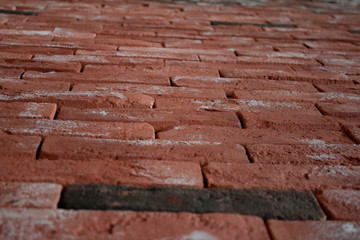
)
(268, 204)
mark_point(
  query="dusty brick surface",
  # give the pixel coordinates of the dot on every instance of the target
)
(280, 230)
(341, 204)
(50, 224)
(29, 195)
(204, 94)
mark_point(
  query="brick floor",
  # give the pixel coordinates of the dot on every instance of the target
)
(170, 119)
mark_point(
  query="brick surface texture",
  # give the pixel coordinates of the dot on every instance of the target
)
(185, 120)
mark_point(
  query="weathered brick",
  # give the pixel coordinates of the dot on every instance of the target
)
(289, 205)
(57, 224)
(353, 131)
(168, 71)
(345, 88)
(315, 77)
(287, 121)
(316, 153)
(40, 66)
(344, 110)
(252, 136)
(154, 90)
(114, 130)
(247, 105)
(89, 99)
(21, 85)
(231, 84)
(282, 230)
(23, 147)
(95, 171)
(29, 195)
(159, 119)
(340, 204)
(27, 110)
(98, 77)
(87, 148)
(281, 176)
(45, 49)
(9, 73)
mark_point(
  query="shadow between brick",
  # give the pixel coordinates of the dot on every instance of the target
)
(267, 204)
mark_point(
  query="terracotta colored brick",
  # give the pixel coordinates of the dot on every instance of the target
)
(29, 195)
(230, 84)
(287, 121)
(86, 148)
(159, 119)
(345, 88)
(23, 147)
(154, 90)
(115, 130)
(21, 85)
(86, 59)
(296, 96)
(27, 110)
(236, 105)
(313, 77)
(282, 230)
(41, 66)
(345, 110)
(125, 42)
(252, 136)
(293, 205)
(353, 131)
(57, 224)
(340, 204)
(315, 153)
(98, 77)
(8, 73)
(90, 99)
(48, 50)
(102, 171)
(10, 55)
(168, 71)
(281, 176)
(143, 52)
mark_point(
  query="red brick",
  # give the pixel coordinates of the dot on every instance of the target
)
(315, 77)
(344, 110)
(252, 136)
(159, 119)
(102, 171)
(340, 204)
(27, 110)
(344, 88)
(230, 84)
(193, 151)
(125, 42)
(297, 230)
(114, 130)
(353, 131)
(41, 66)
(287, 121)
(314, 153)
(96, 77)
(142, 52)
(91, 99)
(281, 176)
(28, 86)
(11, 55)
(235, 105)
(8, 73)
(154, 90)
(86, 59)
(168, 71)
(296, 96)
(48, 50)
(57, 224)
(21, 147)
(29, 195)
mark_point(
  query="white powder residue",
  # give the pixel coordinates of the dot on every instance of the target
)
(321, 156)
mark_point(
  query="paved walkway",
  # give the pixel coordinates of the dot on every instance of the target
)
(186, 120)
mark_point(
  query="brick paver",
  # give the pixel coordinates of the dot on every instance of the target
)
(234, 107)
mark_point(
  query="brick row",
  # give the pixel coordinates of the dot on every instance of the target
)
(27, 110)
